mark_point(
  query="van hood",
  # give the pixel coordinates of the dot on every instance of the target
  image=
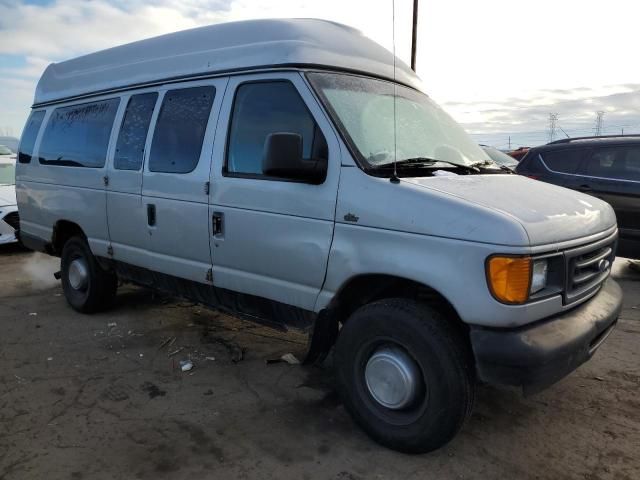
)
(7, 195)
(548, 213)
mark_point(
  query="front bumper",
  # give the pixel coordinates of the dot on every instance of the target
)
(7, 232)
(536, 356)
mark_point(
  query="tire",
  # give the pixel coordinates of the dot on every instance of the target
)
(442, 361)
(99, 289)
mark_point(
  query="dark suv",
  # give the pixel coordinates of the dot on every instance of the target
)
(605, 167)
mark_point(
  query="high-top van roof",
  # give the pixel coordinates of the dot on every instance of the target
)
(222, 48)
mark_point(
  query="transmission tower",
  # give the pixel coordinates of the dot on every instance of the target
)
(599, 118)
(553, 120)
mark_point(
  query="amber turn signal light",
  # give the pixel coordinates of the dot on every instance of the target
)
(509, 278)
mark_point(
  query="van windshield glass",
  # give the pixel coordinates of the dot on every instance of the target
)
(7, 174)
(363, 108)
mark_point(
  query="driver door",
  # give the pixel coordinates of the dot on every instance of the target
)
(271, 237)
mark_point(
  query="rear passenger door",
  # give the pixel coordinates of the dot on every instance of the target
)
(126, 214)
(613, 174)
(561, 166)
(176, 176)
(69, 183)
(271, 236)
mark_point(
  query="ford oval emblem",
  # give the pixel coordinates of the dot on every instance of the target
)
(603, 265)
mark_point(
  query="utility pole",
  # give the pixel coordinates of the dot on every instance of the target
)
(509, 142)
(600, 115)
(414, 35)
(553, 120)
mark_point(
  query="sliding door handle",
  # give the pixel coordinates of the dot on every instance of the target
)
(217, 224)
(151, 215)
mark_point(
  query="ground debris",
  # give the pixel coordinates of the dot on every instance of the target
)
(289, 358)
(177, 350)
(167, 343)
(186, 365)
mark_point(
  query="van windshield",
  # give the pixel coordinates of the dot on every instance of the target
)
(7, 174)
(364, 109)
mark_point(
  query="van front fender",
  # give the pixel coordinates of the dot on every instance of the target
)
(453, 268)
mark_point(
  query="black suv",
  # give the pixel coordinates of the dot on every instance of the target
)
(605, 167)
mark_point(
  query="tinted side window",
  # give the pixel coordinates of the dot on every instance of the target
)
(133, 133)
(179, 132)
(565, 161)
(29, 136)
(263, 108)
(622, 163)
(78, 136)
(530, 164)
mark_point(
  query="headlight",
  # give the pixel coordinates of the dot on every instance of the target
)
(513, 279)
(509, 278)
(539, 276)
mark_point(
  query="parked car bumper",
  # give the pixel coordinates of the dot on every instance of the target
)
(8, 222)
(629, 243)
(536, 356)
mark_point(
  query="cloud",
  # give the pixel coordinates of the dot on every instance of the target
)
(467, 61)
(526, 120)
(63, 29)
(575, 108)
(68, 28)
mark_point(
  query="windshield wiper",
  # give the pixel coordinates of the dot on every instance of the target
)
(490, 163)
(424, 162)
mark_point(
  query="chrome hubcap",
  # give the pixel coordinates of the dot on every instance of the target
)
(78, 274)
(392, 377)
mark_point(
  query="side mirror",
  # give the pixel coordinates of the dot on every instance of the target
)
(282, 157)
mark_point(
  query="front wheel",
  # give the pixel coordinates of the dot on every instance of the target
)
(87, 286)
(405, 374)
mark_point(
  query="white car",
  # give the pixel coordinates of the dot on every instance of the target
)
(9, 219)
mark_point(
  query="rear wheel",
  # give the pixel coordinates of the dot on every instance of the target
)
(87, 286)
(404, 372)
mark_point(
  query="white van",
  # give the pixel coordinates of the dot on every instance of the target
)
(9, 219)
(250, 167)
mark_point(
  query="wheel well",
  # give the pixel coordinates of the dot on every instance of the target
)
(63, 230)
(365, 289)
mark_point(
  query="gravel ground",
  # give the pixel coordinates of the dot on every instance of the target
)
(103, 396)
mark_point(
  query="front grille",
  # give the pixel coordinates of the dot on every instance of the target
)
(587, 268)
(13, 219)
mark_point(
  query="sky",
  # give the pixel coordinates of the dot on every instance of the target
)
(500, 67)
